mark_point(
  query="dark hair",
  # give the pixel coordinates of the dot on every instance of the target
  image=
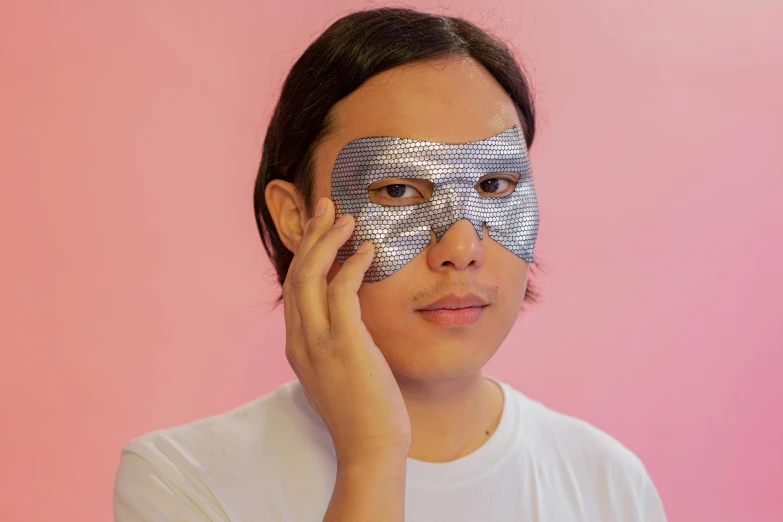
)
(353, 49)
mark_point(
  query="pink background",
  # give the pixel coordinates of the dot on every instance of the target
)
(136, 293)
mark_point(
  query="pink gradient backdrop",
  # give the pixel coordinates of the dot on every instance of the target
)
(136, 294)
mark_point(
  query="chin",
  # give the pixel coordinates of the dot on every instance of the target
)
(437, 360)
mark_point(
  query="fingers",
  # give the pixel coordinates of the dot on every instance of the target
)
(315, 227)
(316, 254)
(342, 293)
(315, 309)
(293, 280)
(313, 294)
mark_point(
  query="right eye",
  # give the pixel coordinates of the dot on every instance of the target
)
(400, 191)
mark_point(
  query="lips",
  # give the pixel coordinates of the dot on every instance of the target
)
(453, 310)
(455, 302)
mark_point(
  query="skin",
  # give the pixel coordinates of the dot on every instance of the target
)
(422, 391)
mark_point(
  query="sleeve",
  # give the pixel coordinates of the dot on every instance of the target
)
(649, 502)
(143, 494)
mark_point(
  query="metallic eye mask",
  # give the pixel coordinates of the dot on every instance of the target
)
(401, 232)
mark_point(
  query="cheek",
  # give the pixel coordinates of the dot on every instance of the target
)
(517, 287)
(510, 269)
(520, 279)
(510, 275)
(381, 304)
(389, 318)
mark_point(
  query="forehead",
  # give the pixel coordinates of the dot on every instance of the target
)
(455, 100)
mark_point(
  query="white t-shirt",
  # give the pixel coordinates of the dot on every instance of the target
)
(273, 460)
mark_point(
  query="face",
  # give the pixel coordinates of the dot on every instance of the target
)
(454, 101)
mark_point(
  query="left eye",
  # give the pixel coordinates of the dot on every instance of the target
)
(494, 185)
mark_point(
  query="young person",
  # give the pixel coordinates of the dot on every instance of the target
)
(396, 201)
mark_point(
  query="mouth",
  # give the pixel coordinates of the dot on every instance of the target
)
(454, 310)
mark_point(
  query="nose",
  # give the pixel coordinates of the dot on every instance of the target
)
(459, 248)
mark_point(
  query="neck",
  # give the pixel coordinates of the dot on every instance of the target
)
(450, 419)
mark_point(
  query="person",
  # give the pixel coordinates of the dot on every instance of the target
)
(395, 199)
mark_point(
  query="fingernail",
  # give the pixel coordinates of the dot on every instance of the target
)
(320, 208)
(342, 221)
(365, 247)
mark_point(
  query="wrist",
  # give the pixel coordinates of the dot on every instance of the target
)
(389, 461)
(369, 488)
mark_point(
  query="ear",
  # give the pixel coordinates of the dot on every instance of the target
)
(288, 212)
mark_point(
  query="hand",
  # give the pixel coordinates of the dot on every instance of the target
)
(344, 375)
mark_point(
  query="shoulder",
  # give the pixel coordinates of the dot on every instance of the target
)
(552, 431)
(213, 440)
(179, 467)
(571, 454)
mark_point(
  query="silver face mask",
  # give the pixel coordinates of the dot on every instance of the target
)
(401, 232)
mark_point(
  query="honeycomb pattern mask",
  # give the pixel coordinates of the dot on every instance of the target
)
(399, 233)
